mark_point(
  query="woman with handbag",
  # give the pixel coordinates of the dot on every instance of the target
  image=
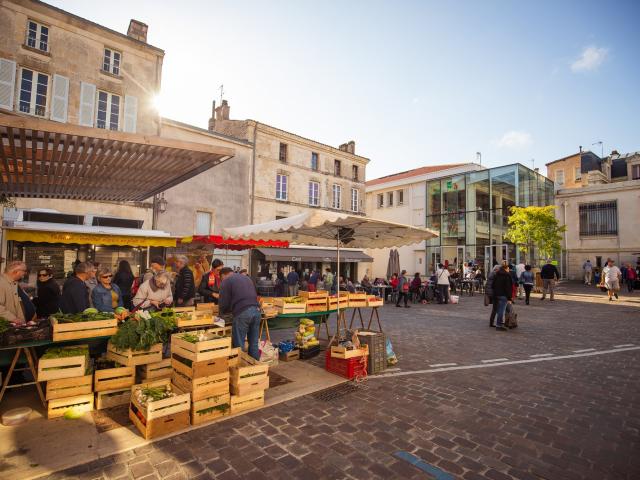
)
(488, 295)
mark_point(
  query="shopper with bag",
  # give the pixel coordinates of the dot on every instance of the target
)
(502, 294)
(442, 280)
(488, 296)
(403, 289)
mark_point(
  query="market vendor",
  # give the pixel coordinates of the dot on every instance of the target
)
(15, 304)
(155, 293)
(210, 284)
(106, 296)
(75, 292)
(238, 295)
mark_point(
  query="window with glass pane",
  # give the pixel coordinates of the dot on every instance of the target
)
(560, 177)
(37, 36)
(390, 199)
(355, 199)
(314, 194)
(281, 187)
(282, 155)
(203, 223)
(400, 197)
(111, 61)
(380, 200)
(354, 172)
(33, 98)
(108, 111)
(337, 196)
(336, 167)
(598, 218)
(314, 161)
(434, 200)
(578, 174)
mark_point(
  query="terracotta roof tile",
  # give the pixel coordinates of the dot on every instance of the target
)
(416, 172)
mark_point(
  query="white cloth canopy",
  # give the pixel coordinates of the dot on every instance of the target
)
(321, 227)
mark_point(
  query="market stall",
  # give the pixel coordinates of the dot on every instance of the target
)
(323, 228)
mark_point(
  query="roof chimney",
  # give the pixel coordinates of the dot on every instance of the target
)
(222, 112)
(580, 148)
(138, 30)
(349, 147)
(212, 119)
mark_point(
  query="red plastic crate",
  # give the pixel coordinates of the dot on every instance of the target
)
(347, 368)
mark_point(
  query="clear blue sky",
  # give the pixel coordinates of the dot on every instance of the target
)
(413, 83)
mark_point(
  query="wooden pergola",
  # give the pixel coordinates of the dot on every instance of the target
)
(44, 159)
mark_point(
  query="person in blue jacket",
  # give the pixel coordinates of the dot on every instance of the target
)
(106, 295)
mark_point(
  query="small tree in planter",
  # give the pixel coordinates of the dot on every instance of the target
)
(529, 226)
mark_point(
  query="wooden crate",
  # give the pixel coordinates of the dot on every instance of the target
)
(67, 367)
(112, 398)
(247, 371)
(82, 330)
(157, 427)
(130, 357)
(357, 296)
(270, 311)
(202, 387)
(204, 407)
(247, 402)
(333, 302)
(319, 295)
(114, 378)
(215, 346)
(69, 387)
(193, 318)
(180, 402)
(249, 387)
(199, 369)
(154, 371)
(342, 352)
(80, 403)
(317, 305)
(234, 357)
(374, 301)
(211, 308)
(290, 356)
(285, 307)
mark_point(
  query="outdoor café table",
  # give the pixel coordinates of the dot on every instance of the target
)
(382, 290)
(27, 348)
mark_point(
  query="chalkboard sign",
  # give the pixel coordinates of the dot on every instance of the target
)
(45, 256)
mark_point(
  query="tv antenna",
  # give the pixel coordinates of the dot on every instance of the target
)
(221, 88)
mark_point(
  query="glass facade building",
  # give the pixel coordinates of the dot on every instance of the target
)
(470, 212)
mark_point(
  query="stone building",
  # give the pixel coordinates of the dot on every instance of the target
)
(599, 208)
(86, 152)
(292, 174)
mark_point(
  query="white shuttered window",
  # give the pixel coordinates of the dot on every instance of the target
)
(7, 83)
(130, 114)
(203, 223)
(87, 104)
(337, 197)
(59, 98)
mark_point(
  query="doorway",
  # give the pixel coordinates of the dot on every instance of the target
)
(495, 254)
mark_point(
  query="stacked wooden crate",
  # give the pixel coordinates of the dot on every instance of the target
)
(195, 317)
(357, 300)
(344, 301)
(69, 381)
(201, 368)
(112, 383)
(316, 301)
(159, 417)
(248, 380)
(287, 305)
(63, 331)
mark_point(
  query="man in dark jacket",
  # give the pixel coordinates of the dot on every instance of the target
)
(75, 292)
(502, 293)
(549, 274)
(292, 282)
(185, 288)
(238, 295)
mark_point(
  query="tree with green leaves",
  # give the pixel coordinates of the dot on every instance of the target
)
(535, 226)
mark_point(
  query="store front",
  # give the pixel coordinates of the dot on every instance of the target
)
(62, 248)
(267, 261)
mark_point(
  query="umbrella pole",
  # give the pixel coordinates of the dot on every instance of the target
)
(341, 319)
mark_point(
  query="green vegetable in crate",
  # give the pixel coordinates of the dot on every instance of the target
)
(4, 324)
(90, 310)
(82, 317)
(64, 352)
(144, 331)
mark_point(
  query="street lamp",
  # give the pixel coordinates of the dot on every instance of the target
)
(601, 147)
(162, 204)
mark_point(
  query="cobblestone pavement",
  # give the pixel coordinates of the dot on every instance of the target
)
(575, 417)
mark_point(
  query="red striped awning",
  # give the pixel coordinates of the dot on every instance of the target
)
(218, 241)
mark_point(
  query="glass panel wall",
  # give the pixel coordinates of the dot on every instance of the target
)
(470, 212)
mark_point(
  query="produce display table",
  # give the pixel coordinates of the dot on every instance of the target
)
(288, 320)
(27, 349)
(374, 312)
